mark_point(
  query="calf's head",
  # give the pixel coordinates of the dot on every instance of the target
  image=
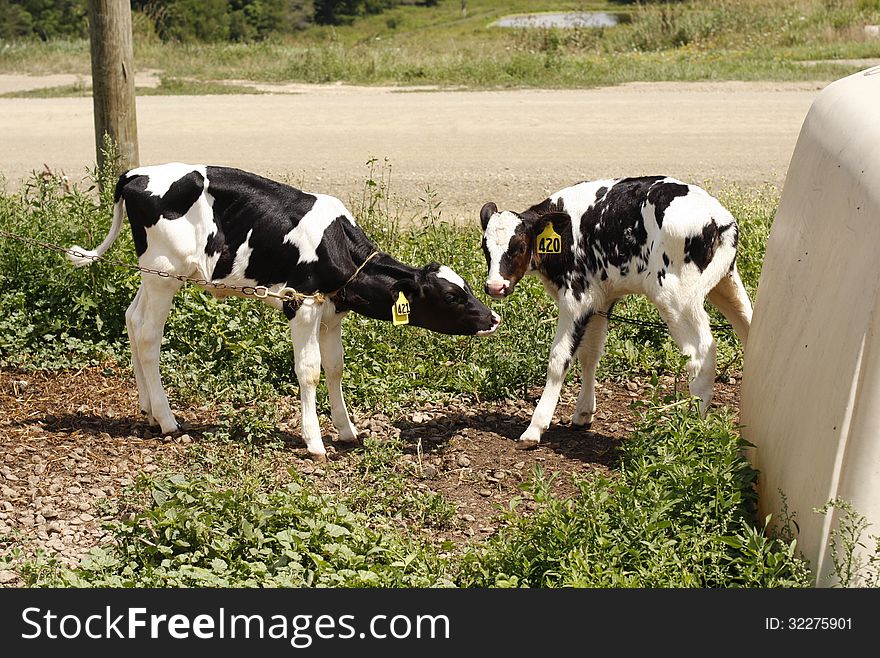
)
(509, 244)
(441, 301)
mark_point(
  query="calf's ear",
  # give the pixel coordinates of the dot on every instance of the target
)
(561, 222)
(409, 287)
(486, 213)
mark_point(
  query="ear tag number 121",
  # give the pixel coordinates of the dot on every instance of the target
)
(400, 310)
(549, 241)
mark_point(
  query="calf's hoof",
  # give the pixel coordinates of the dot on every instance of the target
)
(169, 427)
(318, 457)
(526, 444)
(151, 422)
(582, 420)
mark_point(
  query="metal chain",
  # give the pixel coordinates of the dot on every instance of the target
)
(260, 292)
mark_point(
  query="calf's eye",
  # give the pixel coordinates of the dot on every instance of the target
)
(521, 249)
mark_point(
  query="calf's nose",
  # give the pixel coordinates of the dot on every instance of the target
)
(496, 289)
(496, 322)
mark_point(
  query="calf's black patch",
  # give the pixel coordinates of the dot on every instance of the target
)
(580, 327)
(700, 249)
(661, 195)
(144, 208)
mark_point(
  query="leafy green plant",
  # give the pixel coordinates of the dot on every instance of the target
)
(199, 534)
(679, 512)
(251, 424)
(854, 564)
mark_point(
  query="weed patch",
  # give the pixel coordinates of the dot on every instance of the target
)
(197, 534)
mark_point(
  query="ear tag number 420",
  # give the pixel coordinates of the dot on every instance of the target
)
(549, 241)
(400, 310)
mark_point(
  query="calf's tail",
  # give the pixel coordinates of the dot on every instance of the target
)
(87, 256)
(726, 290)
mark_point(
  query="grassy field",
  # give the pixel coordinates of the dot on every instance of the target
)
(699, 40)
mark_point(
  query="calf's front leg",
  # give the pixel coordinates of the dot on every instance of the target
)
(332, 357)
(569, 332)
(304, 330)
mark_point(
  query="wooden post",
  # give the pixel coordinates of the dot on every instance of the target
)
(113, 79)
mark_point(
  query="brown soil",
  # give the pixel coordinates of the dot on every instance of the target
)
(72, 441)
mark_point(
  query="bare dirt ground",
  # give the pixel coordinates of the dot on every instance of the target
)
(513, 147)
(70, 442)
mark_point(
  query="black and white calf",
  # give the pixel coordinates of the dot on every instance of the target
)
(228, 226)
(597, 241)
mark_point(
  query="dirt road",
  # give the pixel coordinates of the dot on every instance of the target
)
(512, 147)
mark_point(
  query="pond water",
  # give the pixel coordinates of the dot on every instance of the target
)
(576, 19)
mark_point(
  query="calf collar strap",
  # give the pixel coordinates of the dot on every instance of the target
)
(356, 272)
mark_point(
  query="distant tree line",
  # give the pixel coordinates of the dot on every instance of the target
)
(45, 19)
(191, 20)
(335, 12)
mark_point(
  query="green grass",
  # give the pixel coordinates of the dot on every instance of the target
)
(699, 40)
(167, 87)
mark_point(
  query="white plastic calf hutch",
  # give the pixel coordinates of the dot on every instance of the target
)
(811, 386)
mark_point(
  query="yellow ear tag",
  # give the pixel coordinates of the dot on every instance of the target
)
(549, 241)
(400, 310)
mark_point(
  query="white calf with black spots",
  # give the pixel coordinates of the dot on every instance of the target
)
(227, 226)
(655, 236)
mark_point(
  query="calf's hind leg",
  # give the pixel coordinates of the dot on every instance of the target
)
(589, 353)
(730, 297)
(143, 393)
(690, 329)
(145, 321)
